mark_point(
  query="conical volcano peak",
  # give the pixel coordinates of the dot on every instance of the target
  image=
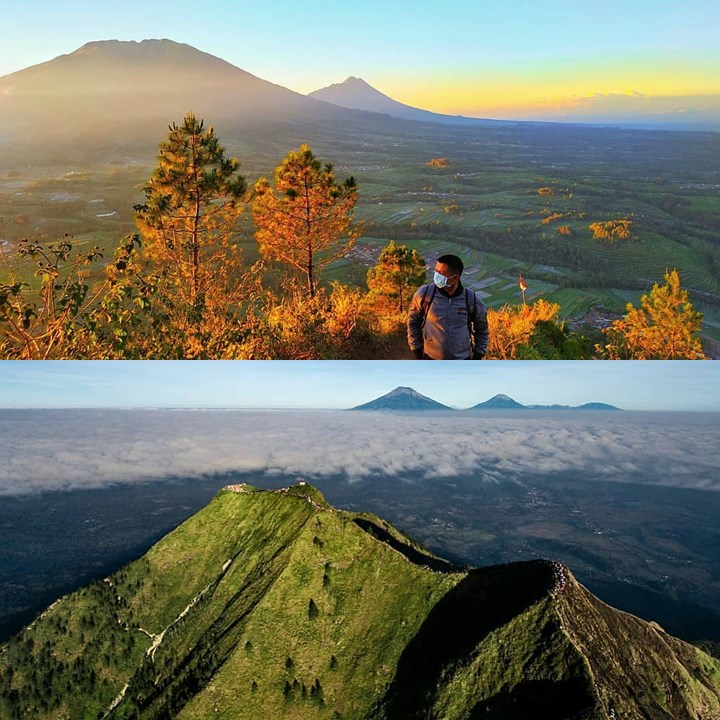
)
(402, 390)
(403, 398)
(498, 402)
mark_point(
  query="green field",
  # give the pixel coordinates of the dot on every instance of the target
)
(485, 206)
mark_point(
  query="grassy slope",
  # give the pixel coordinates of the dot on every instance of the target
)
(273, 604)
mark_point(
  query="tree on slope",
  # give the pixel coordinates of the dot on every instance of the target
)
(306, 220)
(188, 221)
(664, 327)
(396, 276)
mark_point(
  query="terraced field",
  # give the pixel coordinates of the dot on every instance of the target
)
(499, 202)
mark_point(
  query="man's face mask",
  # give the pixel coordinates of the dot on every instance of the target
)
(440, 280)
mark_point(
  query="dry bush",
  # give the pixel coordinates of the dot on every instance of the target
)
(512, 325)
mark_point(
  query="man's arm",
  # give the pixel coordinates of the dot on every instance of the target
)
(414, 325)
(480, 330)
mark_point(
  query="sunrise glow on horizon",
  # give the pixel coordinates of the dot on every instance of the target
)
(494, 59)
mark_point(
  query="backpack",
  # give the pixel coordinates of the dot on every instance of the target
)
(426, 302)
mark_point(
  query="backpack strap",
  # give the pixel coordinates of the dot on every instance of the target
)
(470, 311)
(426, 302)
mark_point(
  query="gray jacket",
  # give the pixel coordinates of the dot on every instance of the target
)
(446, 334)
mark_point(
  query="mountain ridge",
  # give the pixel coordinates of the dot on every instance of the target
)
(116, 92)
(407, 399)
(272, 603)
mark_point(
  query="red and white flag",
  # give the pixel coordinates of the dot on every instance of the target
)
(523, 286)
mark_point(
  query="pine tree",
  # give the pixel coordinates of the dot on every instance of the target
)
(398, 273)
(664, 327)
(192, 204)
(306, 220)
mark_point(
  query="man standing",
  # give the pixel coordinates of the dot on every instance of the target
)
(447, 321)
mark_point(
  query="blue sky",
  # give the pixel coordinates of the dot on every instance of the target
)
(446, 56)
(680, 386)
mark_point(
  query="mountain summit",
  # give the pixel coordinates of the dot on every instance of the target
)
(272, 604)
(130, 91)
(356, 94)
(498, 402)
(404, 399)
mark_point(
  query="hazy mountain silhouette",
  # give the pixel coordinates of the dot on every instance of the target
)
(405, 398)
(504, 402)
(498, 402)
(355, 93)
(115, 91)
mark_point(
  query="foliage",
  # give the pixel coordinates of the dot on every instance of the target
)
(306, 220)
(551, 341)
(392, 282)
(611, 230)
(439, 162)
(511, 327)
(664, 327)
(288, 324)
(193, 267)
(40, 321)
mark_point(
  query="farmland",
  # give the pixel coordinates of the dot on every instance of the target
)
(510, 200)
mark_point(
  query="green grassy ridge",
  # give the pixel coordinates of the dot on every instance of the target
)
(274, 604)
(337, 618)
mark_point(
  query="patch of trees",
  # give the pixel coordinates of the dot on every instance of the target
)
(180, 288)
(611, 230)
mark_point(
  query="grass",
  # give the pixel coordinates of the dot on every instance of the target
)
(275, 604)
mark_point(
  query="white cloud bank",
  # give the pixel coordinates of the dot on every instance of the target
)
(68, 449)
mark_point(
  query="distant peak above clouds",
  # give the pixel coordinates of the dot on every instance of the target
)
(407, 399)
(402, 398)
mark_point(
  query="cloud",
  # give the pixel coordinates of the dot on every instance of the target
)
(68, 449)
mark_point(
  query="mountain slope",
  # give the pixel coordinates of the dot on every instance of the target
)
(504, 402)
(118, 92)
(355, 93)
(402, 399)
(498, 402)
(274, 604)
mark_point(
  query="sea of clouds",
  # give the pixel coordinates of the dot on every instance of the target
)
(69, 449)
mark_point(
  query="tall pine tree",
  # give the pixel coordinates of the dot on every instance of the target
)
(306, 220)
(188, 221)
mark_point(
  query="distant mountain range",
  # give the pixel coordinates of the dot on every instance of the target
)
(115, 92)
(273, 604)
(407, 399)
(111, 96)
(354, 93)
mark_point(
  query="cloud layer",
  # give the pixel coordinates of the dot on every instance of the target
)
(68, 449)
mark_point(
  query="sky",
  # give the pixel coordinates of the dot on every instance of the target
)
(495, 58)
(630, 385)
